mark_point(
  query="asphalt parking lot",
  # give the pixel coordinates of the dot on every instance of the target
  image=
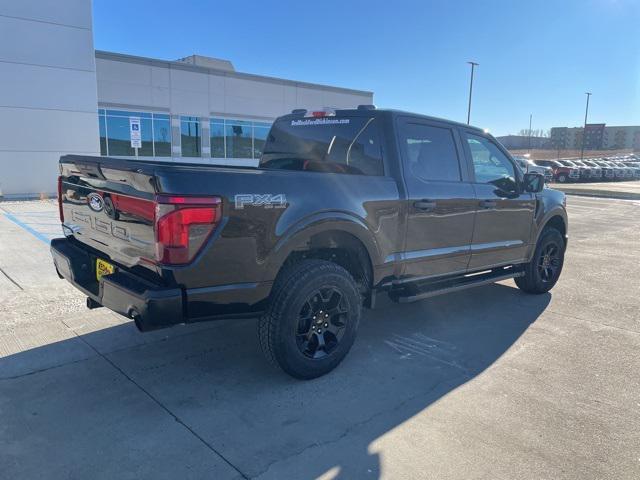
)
(489, 383)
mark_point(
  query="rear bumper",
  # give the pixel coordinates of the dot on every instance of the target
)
(149, 305)
(153, 306)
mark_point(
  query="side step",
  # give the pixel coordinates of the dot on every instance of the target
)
(413, 293)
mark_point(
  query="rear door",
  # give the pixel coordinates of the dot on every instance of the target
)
(441, 200)
(505, 214)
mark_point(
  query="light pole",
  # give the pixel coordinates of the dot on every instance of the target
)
(584, 130)
(530, 118)
(473, 65)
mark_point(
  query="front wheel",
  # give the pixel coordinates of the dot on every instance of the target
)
(543, 271)
(562, 178)
(312, 319)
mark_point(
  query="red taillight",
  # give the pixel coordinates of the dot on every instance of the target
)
(318, 114)
(60, 211)
(139, 207)
(183, 225)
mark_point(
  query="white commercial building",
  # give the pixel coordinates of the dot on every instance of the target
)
(58, 95)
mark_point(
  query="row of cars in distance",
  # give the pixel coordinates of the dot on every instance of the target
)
(565, 170)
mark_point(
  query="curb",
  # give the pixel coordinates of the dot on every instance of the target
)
(602, 194)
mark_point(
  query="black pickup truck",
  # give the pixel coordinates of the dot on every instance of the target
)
(344, 205)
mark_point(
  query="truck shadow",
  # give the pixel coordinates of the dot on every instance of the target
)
(214, 380)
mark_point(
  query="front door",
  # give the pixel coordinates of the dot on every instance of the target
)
(505, 214)
(441, 200)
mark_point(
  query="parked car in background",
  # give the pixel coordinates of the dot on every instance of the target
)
(634, 167)
(529, 166)
(584, 171)
(628, 171)
(597, 172)
(617, 169)
(608, 172)
(561, 173)
(574, 171)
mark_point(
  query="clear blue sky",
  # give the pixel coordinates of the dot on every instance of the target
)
(535, 56)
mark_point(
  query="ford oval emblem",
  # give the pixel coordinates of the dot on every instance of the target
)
(95, 201)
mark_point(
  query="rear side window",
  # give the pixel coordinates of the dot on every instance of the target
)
(431, 152)
(328, 144)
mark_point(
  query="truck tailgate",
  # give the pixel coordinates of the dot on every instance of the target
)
(108, 205)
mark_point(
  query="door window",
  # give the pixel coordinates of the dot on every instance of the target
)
(431, 152)
(490, 164)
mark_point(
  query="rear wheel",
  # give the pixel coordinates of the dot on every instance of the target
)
(312, 320)
(544, 269)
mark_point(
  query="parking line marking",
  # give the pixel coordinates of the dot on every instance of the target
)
(26, 227)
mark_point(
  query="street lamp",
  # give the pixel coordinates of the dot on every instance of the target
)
(584, 130)
(473, 65)
(530, 119)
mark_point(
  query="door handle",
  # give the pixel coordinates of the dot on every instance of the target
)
(487, 203)
(424, 204)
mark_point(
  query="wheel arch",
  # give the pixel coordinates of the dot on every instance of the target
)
(341, 239)
(556, 218)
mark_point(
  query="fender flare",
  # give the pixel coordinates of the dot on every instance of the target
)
(297, 236)
(556, 211)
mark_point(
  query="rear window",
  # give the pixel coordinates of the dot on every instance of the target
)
(328, 144)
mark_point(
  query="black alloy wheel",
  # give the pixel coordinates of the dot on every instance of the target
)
(549, 262)
(321, 323)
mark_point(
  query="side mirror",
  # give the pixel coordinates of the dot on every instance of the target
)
(533, 182)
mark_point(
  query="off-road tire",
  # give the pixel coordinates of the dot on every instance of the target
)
(277, 328)
(533, 281)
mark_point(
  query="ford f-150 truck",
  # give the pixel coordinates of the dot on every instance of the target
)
(344, 206)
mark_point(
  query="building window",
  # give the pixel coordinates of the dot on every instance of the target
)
(190, 132)
(260, 132)
(102, 125)
(217, 138)
(115, 139)
(239, 139)
(161, 135)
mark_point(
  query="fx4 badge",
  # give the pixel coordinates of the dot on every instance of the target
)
(265, 200)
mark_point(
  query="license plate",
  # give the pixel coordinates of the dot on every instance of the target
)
(103, 268)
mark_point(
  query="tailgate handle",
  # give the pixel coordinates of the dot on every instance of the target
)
(425, 204)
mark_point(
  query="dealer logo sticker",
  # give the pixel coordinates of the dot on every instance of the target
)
(95, 201)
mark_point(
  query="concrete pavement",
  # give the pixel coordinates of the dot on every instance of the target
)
(488, 383)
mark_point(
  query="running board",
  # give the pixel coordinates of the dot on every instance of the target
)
(441, 288)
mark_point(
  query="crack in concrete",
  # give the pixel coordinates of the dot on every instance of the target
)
(613, 327)
(41, 370)
(11, 279)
